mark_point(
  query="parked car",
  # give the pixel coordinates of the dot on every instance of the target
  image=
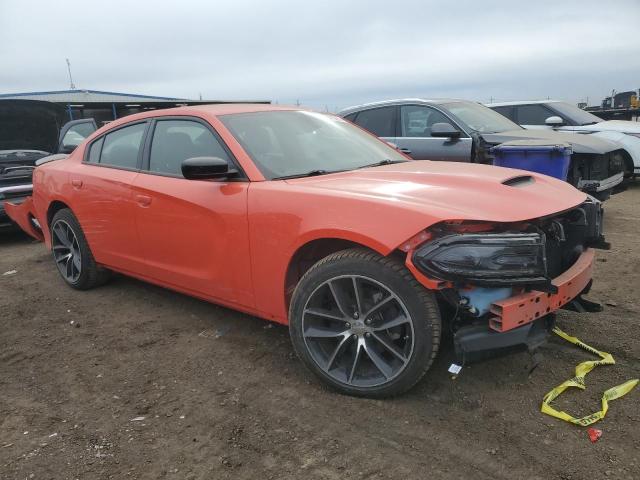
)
(564, 117)
(463, 131)
(305, 219)
(29, 131)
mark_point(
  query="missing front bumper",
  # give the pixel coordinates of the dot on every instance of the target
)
(474, 343)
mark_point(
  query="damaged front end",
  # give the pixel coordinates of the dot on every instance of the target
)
(502, 283)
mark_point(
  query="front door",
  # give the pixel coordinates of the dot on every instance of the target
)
(194, 232)
(415, 136)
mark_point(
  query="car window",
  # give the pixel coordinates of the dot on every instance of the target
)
(121, 147)
(532, 114)
(351, 117)
(77, 133)
(378, 121)
(284, 143)
(176, 140)
(94, 151)
(417, 120)
(506, 111)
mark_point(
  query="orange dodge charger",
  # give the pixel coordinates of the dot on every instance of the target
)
(305, 219)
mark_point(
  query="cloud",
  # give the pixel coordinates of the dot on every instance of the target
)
(330, 53)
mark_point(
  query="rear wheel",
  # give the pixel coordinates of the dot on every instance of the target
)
(72, 254)
(363, 324)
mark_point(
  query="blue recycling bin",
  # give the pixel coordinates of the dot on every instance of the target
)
(547, 158)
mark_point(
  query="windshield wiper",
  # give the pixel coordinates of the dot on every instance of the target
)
(386, 161)
(311, 173)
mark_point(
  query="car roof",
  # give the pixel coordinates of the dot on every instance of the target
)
(202, 110)
(399, 101)
(520, 102)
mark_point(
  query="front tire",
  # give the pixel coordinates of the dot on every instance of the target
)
(363, 324)
(72, 254)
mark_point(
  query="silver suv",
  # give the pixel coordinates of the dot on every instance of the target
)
(464, 131)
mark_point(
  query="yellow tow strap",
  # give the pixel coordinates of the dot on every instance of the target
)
(578, 381)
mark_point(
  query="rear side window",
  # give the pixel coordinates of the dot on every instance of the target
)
(94, 151)
(121, 148)
(176, 140)
(532, 114)
(379, 121)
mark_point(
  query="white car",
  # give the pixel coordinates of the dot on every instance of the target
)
(557, 115)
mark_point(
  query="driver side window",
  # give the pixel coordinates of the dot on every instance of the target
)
(176, 140)
(417, 120)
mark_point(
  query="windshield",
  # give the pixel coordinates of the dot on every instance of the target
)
(480, 118)
(290, 143)
(575, 114)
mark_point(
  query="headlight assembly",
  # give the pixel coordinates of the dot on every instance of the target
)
(487, 259)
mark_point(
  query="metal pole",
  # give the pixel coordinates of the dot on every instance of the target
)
(73, 87)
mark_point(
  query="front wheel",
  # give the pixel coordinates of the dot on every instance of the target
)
(363, 324)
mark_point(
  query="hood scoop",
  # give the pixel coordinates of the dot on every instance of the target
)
(519, 181)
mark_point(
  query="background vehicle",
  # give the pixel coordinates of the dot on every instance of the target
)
(463, 131)
(304, 219)
(29, 131)
(564, 117)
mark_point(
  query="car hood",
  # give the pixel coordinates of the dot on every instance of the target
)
(623, 126)
(579, 143)
(452, 190)
(30, 125)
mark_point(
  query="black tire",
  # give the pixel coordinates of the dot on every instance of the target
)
(89, 274)
(367, 271)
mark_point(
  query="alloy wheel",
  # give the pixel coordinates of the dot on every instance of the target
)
(66, 251)
(358, 331)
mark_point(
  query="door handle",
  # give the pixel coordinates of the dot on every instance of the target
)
(143, 200)
(76, 183)
(405, 150)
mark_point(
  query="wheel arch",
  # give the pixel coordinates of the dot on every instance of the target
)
(313, 250)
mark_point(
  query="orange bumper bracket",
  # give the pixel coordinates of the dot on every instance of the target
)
(526, 307)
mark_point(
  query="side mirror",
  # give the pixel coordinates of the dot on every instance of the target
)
(204, 168)
(444, 130)
(554, 121)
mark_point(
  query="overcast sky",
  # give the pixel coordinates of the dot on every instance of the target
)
(333, 53)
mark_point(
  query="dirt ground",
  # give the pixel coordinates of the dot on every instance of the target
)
(133, 381)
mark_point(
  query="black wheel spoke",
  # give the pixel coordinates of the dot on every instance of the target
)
(378, 361)
(315, 332)
(388, 346)
(336, 351)
(338, 297)
(359, 349)
(379, 305)
(394, 322)
(325, 314)
(355, 347)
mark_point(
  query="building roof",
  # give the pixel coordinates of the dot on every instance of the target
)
(520, 102)
(88, 96)
(97, 96)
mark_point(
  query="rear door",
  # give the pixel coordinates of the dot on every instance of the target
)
(194, 232)
(415, 136)
(102, 198)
